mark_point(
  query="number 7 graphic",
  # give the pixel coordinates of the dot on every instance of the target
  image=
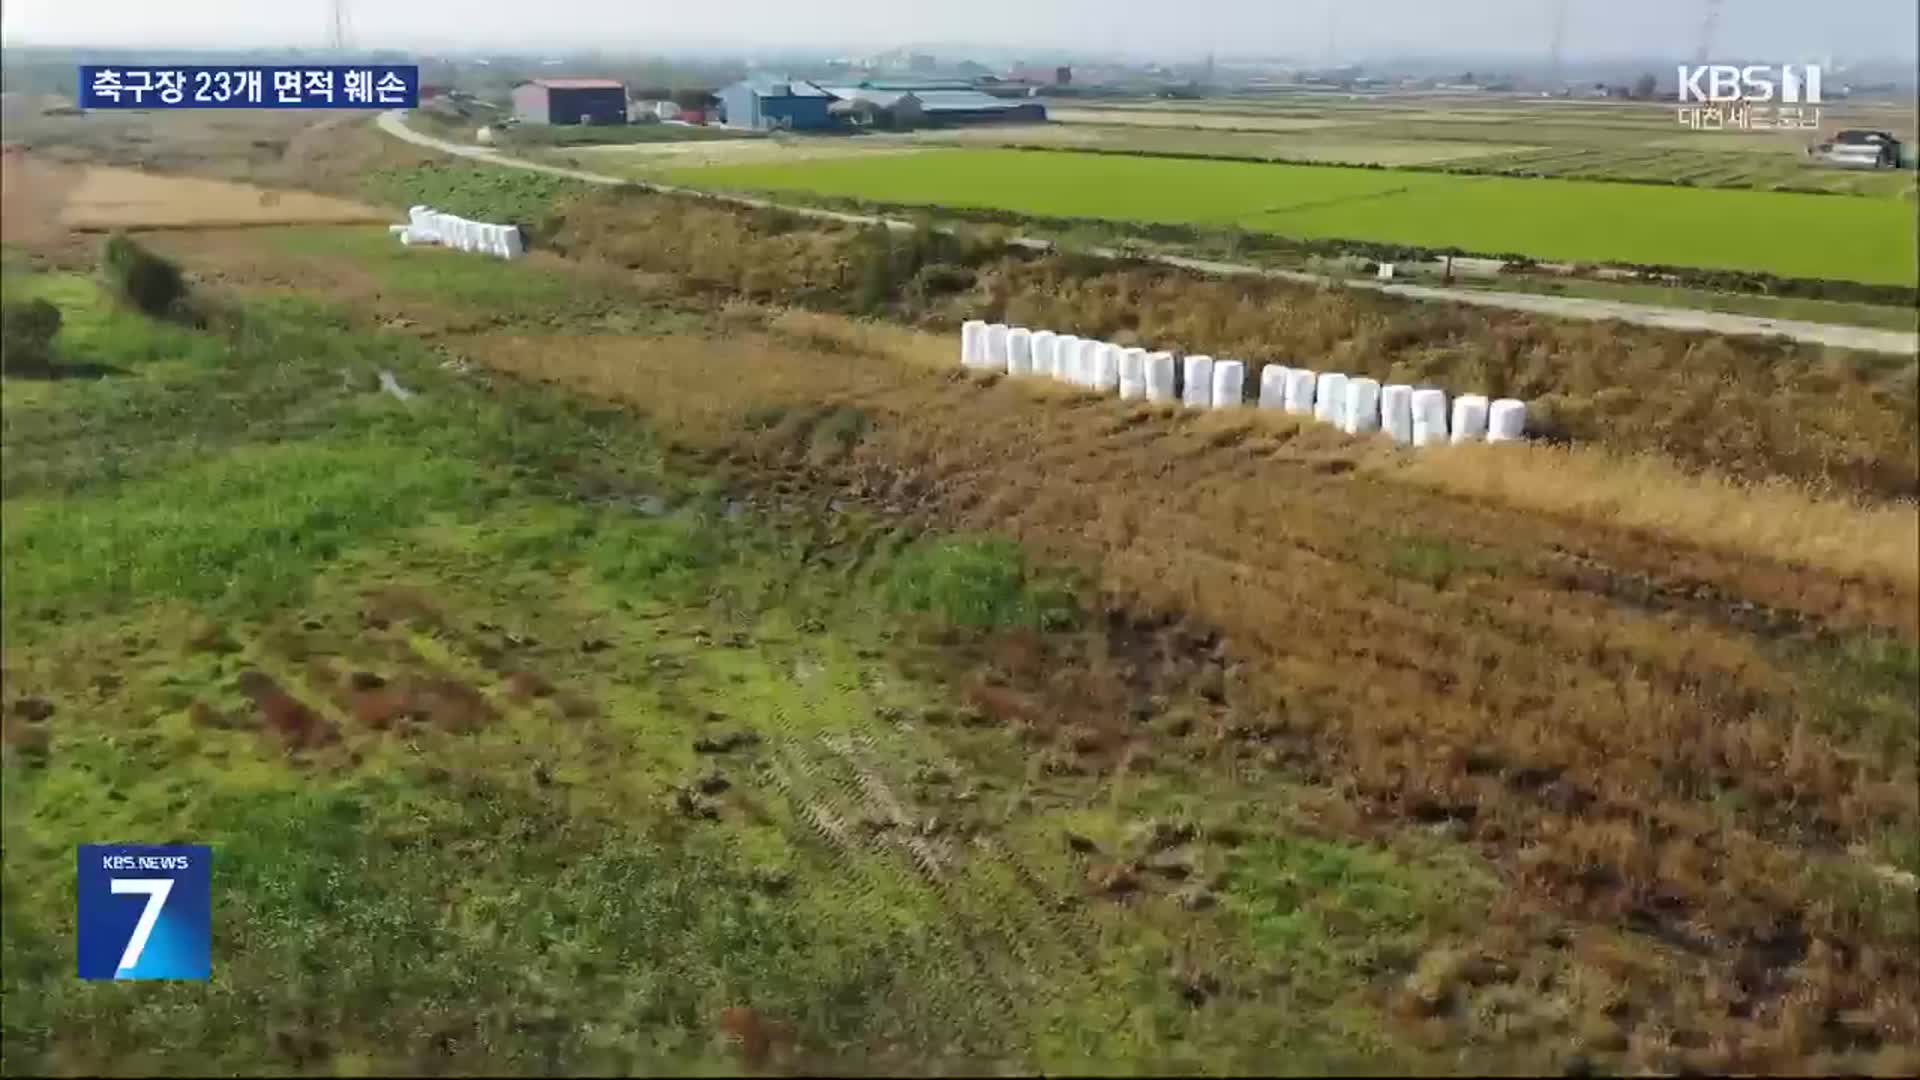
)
(156, 890)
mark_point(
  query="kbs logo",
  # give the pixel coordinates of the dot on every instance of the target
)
(145, 912)
(1719, 84)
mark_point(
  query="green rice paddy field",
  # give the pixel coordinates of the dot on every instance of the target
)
(1791, 234)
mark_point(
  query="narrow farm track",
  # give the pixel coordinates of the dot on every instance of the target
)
(1845, 337)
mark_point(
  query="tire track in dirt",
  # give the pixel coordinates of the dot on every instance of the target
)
(1044, 907)
(823, 803)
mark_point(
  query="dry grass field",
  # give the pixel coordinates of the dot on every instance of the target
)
(1188, 119)
(1210, 140)
(102, 199)
(1613, 140)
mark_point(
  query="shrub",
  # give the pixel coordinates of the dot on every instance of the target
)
(27, 329)
(979, 583)
(145, 280)
(940, 279)
(874, 263)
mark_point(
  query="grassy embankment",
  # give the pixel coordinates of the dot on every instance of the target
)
(1753, 410)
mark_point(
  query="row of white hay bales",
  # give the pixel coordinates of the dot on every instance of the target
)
(426, 225)
(1417, 416)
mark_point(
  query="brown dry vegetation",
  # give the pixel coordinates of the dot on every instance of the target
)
(1775, 520)
(107, 198)
(1628, 724)
(1750, 408)
(1771, 519)
(284, 148)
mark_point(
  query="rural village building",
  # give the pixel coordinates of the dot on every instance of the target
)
(570, 101)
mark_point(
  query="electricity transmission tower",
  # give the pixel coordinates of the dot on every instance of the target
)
(1709, 22)
(1558, 45)
(337, 35)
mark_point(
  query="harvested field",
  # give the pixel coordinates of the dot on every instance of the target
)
(1208, 140)
(32, 193)
(109, 198)
(1194, 119)
(674, 155)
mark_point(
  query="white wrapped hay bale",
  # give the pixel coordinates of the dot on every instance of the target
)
(1507, 420)
(1087, 370)
(1396, 413)
(424, 224)
(1133, 374)
(1363, 407)
(1196, 382)
(1300, 383)
(1273, 386)
(1042, 347)
(1106, 368)
(996, 355)
(1066, 354)
(516, 244)
(1019, 351)
(1429, 416)
(1469, 418)
(1330, 397)
(1067, 370)
(1159, 368)
(1229, 384)
(973, 334)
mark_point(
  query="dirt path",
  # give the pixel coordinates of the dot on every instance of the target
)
(1569, 307)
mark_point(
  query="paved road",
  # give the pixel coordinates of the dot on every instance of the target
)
(1570, 307)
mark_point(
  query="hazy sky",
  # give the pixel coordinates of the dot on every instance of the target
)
(1776, 30)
